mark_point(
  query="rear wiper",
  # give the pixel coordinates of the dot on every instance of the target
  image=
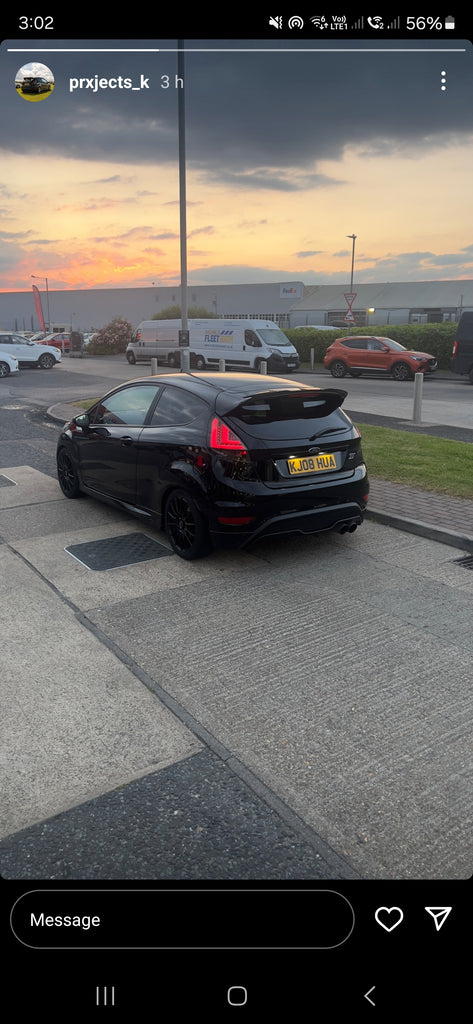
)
(329, 430)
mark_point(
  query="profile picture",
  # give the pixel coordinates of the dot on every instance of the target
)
(34, 81)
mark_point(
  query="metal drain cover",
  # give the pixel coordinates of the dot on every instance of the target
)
(466, 561)
(116, 552)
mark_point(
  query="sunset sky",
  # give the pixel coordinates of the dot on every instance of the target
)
(287, 154)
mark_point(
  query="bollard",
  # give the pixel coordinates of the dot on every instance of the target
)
(263, 366)
(417, 411)
(221, 366)
(185, 359)
(312, 358)
(154, 365)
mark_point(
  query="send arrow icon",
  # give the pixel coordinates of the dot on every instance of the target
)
(439, 915)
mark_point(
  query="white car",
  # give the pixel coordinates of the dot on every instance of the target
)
(29, 353)
(8, 364)
(315, 327)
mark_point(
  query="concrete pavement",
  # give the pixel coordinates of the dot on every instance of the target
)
(299, 710)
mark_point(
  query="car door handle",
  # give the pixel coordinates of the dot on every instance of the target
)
(126, 440)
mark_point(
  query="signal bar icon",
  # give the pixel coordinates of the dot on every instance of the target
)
(394, 24)
(359, 24)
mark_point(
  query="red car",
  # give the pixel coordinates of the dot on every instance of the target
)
(370, 354)
(62, 341)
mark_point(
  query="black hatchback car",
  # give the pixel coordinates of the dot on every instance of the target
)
(36, 85)
(219, 459)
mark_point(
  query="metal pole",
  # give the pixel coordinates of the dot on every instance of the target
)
(352, 260)
(417, 410)
(182, 181)
(47, 304)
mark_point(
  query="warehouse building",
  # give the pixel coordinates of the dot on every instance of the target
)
(382, 304)
(88, 310)
(287, 303)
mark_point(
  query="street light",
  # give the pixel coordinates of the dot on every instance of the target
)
(47, 298)
(352, 260)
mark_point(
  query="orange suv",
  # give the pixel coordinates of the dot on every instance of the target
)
(370, 354)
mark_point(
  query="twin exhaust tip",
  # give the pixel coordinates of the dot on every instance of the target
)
(349, 527)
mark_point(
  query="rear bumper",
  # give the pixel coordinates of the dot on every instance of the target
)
(337, 518)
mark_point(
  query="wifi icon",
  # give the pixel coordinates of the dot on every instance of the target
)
(319, 21)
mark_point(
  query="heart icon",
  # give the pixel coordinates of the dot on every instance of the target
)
(386, 913)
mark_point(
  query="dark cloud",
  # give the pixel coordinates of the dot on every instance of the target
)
(253, 119)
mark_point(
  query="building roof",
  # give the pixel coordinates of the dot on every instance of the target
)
(399, 295)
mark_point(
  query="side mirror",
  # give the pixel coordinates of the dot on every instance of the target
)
(82, 421)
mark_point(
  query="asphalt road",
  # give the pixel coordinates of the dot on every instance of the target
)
(445, 399)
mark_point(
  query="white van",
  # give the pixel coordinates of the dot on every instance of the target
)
(243, 344)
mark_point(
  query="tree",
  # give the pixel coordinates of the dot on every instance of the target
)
(175, 313)
(112, 338)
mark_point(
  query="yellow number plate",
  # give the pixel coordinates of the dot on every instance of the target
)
(312, 464)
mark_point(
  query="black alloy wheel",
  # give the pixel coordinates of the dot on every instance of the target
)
(46, 362)
(67, 476)
(185, 526)
(338, 368)
(401, 371)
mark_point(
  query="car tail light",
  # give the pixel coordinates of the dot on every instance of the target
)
(235, 520)
(224, 439)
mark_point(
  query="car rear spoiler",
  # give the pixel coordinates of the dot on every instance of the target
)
(328, 399)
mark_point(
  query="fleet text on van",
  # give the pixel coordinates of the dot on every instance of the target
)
(243, 344)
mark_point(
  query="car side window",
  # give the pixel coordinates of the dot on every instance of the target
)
(354, 343)
(130, 406)
(177, 407)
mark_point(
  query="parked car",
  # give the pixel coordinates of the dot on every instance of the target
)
(370, 354)
(36, 85)
(8, 364)
(462, 355)
(219, 459)
(29, 353)
(58, 340)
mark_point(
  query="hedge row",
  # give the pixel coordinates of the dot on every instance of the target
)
(436, 339)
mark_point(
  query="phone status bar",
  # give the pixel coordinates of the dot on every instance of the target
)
(329, 24)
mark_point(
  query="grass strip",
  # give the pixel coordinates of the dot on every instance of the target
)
(418, 460)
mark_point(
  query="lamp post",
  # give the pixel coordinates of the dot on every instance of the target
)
(47, 298)
(353, 237)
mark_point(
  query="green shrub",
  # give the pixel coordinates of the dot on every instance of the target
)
(436, 339)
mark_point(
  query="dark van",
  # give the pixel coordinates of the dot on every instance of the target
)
(462, 355)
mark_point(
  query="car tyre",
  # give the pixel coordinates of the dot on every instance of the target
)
(172, 359)
(67, 475)
(4, 369)
(185, 526)
(200, 363)
(46, 362)
(401, 371)
(131, 358)
(338, 368)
